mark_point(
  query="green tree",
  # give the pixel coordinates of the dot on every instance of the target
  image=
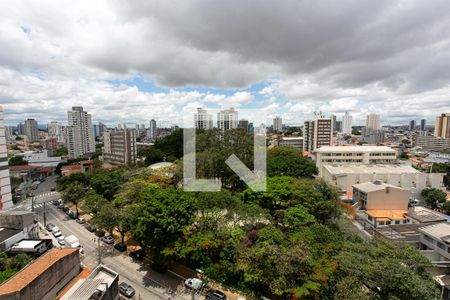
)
(297, 217)
(162, 217)
(152, 155)
(19, 261)
(17, 161)
(74, 194)
(93, 202)
(384, 270)
(107, 217)
(64, 182)
(107, 183)
(62, 151)
(446, 207)
(171, 145)
(288, 161)
(433, 197)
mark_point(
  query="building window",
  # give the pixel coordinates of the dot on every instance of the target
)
(397, 222)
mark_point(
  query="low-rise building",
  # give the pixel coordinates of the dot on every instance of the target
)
(406, 177)
(40, 158)
(102, 284)
(43, 278)
(432, 143)
(378, 195)
(293, 141)
(80, 167)
(437, 238)
(20, 220)
(354, 155)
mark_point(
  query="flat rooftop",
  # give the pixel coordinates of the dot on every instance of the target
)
(95, 283)
(426, 215)
(330, 149)
(440, 231)
(27, 244)
(387, 215)
(6, 233)
(369, 169)
(368, 187)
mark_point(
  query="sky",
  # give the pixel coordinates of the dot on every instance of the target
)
(132, 61)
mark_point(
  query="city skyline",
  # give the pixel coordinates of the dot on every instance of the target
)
(50, 64)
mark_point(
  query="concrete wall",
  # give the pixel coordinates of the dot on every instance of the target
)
(396, 199)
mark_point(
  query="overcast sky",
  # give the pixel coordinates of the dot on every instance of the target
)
(131, 61)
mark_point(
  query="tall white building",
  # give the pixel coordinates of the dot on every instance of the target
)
(277, 124)
(31, 130)
(5, 185)
(80, 133)
(55, 131)
(227, 119)
(373, 121)
(202, 119)
(347, 123)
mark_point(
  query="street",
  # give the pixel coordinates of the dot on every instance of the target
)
(148, 283)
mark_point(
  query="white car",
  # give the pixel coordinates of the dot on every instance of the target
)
(56, 228)
(193, 283)
(61, 240)
(57, 233)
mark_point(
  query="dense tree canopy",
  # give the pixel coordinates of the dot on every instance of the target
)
(17, 161)
(288, 161)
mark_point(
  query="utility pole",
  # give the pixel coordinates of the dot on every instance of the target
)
(99, 262)
(45, 216)
(32, 203)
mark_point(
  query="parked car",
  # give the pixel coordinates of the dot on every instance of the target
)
(68, 212)
(108, 239)
(80, 220)
(61, 206)
(137, 254)
(126, 290)
(55, 228)
(159, 267)
(61, 240)
(56, 202)
(73, 215)
(52, 189)
(57, 233)
(215, 295)
(49, 226)
(90, 228)
(193, 283)
(120, 247)
(99, 233)
(65, 208)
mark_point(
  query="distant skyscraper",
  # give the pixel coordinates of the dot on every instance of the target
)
(9, 133)
(412, 125)
(80, 133)
(31, 130)
(55, 131)
(333, 122)
(152, 130)
(442, 126)
(20, 129)
(227, 119)
(5, 185)
(423, 125)
(373, 121)
(202, 119)
(317, 133)
(347, 123)
(277, 124)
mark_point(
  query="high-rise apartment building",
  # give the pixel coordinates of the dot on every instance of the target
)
(31, 130)
(227, 119)
(373, 121)
(277, 124)
(412, 125)
(347, 123)
(120, 147)
(5, 185)
(9, 133)
(423, 125)
(80, 133)
(151, 132)
(202, 119)
(56, 132)
(317, 133)
(442, 126)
